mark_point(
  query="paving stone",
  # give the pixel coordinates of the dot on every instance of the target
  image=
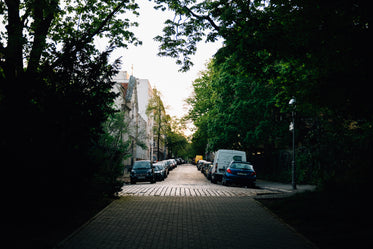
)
(185, 222)
(187, 211)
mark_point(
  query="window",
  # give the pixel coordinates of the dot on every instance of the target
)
(141, 165)
(241, 166)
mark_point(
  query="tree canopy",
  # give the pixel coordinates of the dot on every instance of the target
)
(56, 95)
(43, 33)
(317, 51)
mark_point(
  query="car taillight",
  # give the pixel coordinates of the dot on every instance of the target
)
(229, 171)
(253, 173)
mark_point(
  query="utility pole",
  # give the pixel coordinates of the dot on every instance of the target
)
(292, 103)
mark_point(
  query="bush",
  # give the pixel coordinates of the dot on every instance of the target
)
(108, 154)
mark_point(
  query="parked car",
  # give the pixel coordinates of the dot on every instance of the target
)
(208, 174)
(159, 171)
(179, 161)
(205, 167)
(164, 165)
(173, 163)
(241, 173)
(197, 158)
(167, 165)
(222, 160)
(142, 171)
(200, 163)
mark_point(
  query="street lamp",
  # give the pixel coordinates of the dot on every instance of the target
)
(292, 103)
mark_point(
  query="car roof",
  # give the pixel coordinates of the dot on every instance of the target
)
(241, 162)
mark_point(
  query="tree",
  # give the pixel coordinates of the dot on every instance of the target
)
(156, 109)
(328, 39)
(47, 32)
(55, 90)
(176, 142)
(108, 153)
(274, 50)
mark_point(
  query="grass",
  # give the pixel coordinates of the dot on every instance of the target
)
(328, 219)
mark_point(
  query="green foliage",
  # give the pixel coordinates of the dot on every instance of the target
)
(233, 109)
(167, 130)
(156, 110)
(55, 94)
(176, 142)
(108, 153)
(317, 51)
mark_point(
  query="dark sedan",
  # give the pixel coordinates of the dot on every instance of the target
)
(159, 171)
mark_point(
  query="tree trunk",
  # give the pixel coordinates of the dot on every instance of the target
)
(13, 52)
(42, 25)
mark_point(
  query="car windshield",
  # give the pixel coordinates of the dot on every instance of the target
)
(241, 166)
(141, 165)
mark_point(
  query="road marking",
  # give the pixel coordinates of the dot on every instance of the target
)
(201, 190)
(186, 180)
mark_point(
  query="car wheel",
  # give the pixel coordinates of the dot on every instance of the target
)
(224, 181)
(213, 179)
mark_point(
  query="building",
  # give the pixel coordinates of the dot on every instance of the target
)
(145, 94)
(121, 86)
(133, 99)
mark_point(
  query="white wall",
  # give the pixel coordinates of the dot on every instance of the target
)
(121, 77)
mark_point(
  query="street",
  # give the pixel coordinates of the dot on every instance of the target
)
(186, 211)
(186, 180)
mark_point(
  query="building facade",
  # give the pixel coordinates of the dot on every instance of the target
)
(145, 94)
(133, 99)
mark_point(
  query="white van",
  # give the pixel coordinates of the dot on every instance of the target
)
(222, 160)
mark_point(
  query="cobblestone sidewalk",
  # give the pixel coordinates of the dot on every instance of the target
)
(185, 222)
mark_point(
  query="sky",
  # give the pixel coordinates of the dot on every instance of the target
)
(162, 72)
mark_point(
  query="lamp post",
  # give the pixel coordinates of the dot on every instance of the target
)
(292, 103)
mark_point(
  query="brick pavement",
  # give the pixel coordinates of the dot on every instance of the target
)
(185, 222)
(145, 189)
